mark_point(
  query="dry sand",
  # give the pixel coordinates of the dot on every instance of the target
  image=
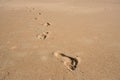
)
(32, 30)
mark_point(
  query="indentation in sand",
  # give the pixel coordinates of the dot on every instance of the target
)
(47, 24)
(69, 62)
(42, 36)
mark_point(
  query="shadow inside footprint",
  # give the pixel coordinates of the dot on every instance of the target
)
(68, 61)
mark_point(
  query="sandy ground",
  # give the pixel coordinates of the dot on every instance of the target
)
(31, 31)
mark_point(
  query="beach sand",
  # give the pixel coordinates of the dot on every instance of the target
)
(43, 39)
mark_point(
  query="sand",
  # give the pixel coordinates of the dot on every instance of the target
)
(31, 31)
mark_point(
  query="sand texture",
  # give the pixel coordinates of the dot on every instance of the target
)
(59, 39)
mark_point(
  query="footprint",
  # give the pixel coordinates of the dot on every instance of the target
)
(47, 24)
(69, 62)
(42, 36)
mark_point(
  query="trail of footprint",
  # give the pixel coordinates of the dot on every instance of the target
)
(44, 35)
(69, 62)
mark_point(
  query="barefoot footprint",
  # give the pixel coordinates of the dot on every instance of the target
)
(47, 24)
(69, 62)
(42, 36)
